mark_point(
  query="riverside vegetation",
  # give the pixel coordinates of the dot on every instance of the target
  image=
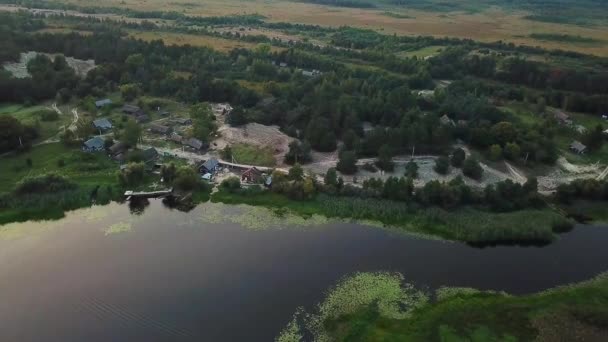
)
(382, 306)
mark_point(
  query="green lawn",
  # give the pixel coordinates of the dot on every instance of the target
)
(83, 168)
(30, 115)
(253, 155)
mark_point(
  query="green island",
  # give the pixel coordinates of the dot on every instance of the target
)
(343, 109)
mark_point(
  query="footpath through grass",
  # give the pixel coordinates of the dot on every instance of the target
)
(466, 224)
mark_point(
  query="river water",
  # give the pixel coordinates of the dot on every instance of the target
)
(221, 273)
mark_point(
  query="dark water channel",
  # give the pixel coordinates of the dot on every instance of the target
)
(103, 274)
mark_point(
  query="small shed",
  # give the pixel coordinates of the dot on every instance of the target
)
(142, 118)
(102, 124)
(562, 117)
(176, 138)
(578, 147)
(445, 120)
(252, 175)
(103, 103)
(194, 143)
(94, 145)
(118, 148)
(160, 129)
(209, 166)
(130, 109)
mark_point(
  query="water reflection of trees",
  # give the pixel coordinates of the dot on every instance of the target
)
(137, 206)
(181, 205)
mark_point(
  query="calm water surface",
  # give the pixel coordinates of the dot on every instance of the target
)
(103, 274)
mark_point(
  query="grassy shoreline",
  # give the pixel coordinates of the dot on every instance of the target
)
(468, 224)
(566, 313)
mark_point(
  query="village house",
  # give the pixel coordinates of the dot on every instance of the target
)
(210, 166)
(445, 120)
(142, 118)
(94, 145)
(131, 109)
(117, 151)
(103, 103)
(176, 138)
(252, 175)
(578, 148)
(194, 143)
(562, 117)
(102, 125)
(160, 129)
(312, 73)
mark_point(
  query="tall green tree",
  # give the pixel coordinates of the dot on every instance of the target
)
(131, 133)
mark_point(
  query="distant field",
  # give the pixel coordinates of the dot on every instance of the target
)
(422, 53)
(170, 38)
(481, 23)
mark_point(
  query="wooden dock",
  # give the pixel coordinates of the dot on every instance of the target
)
(147, 194)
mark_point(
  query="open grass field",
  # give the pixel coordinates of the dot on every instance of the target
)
(485, 24)
(422, 53)
(169, 38)
(253, 155)
(84, 169)
(30, 115)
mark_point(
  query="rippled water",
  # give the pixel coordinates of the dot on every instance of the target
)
(223, 273)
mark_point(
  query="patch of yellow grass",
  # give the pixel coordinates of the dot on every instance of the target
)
(170, 38)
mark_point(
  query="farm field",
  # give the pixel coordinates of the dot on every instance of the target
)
(487, 24)
(169, 38)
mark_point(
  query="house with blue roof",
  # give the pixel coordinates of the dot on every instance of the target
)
(95, 144)
(102, 124)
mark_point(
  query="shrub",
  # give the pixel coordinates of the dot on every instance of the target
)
(458, 157)
(49, 183)
(231, 184)
(48, 115)
(472, 169)
(186, 178)
(442, 165)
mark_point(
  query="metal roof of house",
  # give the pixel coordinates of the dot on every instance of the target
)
(103, 102)
(194, 143)
(150, 153)
(118, 147)
(160, 128)
(210, 164)
(96, 142)
(130, 108)
(102, 123)
(578, 146)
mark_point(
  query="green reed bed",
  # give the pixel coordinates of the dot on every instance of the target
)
(464, 224)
